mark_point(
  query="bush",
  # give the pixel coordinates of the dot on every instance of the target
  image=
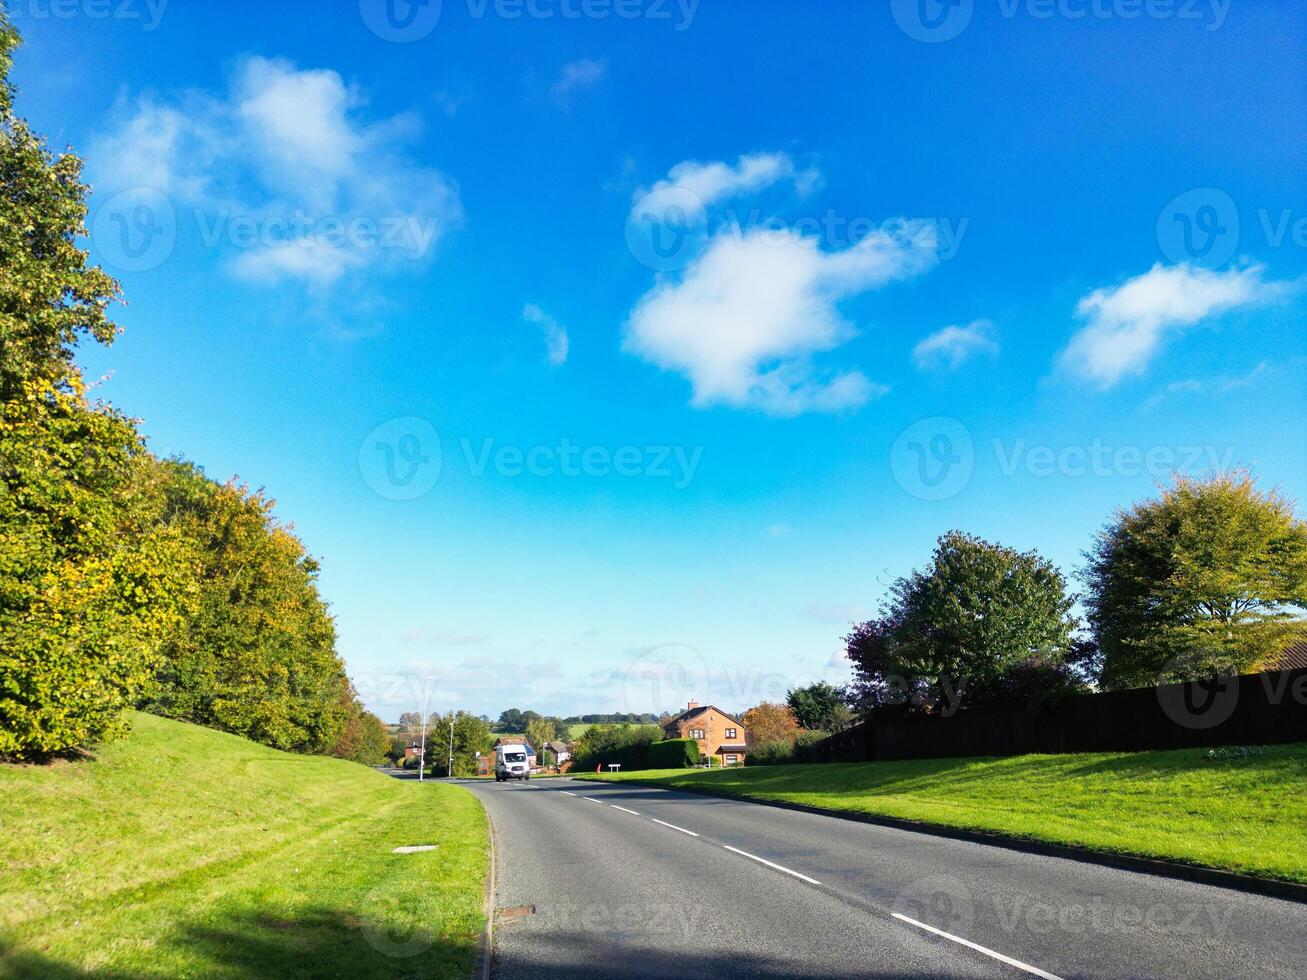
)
(804, 748)
(673, 753)
(626, 745)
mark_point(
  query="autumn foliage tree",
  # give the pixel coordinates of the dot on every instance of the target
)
(90, 584)
(768, 722)
(125, 579)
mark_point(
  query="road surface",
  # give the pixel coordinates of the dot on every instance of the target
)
(632, 881)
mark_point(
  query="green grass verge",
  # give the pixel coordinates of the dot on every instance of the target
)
(1246, 814)
(184, 852)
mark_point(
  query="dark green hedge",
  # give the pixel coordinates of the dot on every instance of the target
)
(674, 753)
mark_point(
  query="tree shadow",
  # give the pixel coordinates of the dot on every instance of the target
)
(313, 943)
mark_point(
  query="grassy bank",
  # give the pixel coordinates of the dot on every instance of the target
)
(187, 852)
(1240, 813)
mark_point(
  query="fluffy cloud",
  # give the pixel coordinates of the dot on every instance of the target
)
(950, 348)
(555, 333)
(745, 318)
(576, 75)
(1127, 325)
(284, 173)
(709, 183)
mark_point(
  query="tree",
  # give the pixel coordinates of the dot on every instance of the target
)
(769, 722)
(410, 721)
(819, 707)
(89, 582)
(471, 735)
(540, 731)
(510, 721)
(966, 627)
(1203, 579)
(256, 654)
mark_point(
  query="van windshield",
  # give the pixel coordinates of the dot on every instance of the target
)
(515, 757)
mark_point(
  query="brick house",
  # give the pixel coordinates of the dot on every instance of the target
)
(717, 733)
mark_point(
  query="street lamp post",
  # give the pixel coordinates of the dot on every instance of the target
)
(422, 751)
(449, 773)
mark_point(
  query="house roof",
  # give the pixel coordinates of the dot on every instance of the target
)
(691, 713)
(556, 746)
(1293, 657)
(731, 748)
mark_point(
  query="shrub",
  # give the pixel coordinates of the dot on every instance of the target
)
(673, 753)
(627, 745)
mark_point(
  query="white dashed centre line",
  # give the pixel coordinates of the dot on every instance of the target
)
(754, 857)
(593, 800)
(1033, 970)
(567, 793)
(623, 809)
(674, 827)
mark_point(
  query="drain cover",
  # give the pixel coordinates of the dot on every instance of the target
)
(515, 911)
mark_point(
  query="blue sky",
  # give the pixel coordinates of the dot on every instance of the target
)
(612, 360)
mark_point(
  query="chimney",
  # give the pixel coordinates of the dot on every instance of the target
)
(692, 706)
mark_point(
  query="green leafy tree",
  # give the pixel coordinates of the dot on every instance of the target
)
(819, 707)
(540, 731)
(1209, 577)
(90, 584)
(984, 624)
(471, 735)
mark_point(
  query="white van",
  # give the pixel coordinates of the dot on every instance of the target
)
(510, 762)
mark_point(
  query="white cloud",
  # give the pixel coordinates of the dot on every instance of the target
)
(711, 182)
(744, 320)
(555, 334)
(779, 530)
(1127, 325)
(285, 173)
(576, 75)
(950, 348)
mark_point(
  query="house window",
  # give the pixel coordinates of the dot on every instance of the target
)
(696, 733)
(730, 733)
(732, 760)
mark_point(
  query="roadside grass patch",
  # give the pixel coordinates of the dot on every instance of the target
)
(182, 851)
(1242, 811)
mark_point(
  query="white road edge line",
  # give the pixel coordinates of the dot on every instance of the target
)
(754, 857)
(1034, 970)
(623, 809)
(674, 827)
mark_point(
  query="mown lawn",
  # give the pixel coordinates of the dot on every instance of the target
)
(184, 852)
(1246, 814)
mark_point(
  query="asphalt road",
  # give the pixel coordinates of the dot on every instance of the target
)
(617, 893)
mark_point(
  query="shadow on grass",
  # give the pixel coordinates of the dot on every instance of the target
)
(315, 943)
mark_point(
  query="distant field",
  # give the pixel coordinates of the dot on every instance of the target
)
(576, 731)
(184, 852)
(1239, 812)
